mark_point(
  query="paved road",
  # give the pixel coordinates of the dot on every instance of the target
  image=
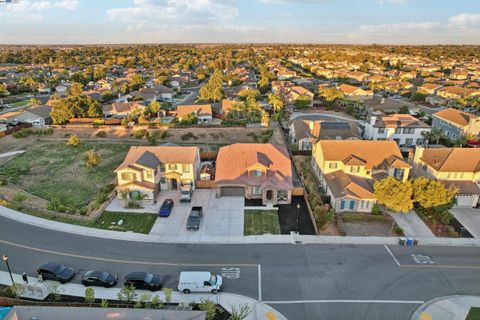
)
(299, 280)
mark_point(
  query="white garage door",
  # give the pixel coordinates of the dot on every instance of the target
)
(233, 191)
(464, 200)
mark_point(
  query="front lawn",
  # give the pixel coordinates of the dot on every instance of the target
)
(55, 170)
(258, 222)
(135, 222)
(473, 314)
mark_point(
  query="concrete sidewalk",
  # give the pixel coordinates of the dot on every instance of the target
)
(12, 153)
(205, 239)
(446, 308)
(259, 310)
(411, 224)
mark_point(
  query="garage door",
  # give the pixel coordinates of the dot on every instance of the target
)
(233, 191)
(464, 200)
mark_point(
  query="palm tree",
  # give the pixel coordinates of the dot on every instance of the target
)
(434, 135)
(124, 194)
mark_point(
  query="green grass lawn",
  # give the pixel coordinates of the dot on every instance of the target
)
(136, 222)
(473, 314)
(56, 170)
(257, 222)
(22, 103)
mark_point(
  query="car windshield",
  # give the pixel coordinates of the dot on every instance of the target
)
(213, 279)
(104, 275)
(59, 269)
(148, 277)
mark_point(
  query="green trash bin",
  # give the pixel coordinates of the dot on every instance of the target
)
(401, 241)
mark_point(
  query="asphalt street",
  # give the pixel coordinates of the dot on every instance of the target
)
(301, 281)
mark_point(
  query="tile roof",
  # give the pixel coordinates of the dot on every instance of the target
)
(164, 154)
(234, 160)
(455, 116)
(199, 110)
(149, 160)
(452, 159)
(373, 154)
(399, 121)
(345, 185)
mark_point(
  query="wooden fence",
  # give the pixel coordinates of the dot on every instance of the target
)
(298, 191)
(205, 184)
(14, 129)
(208, 155)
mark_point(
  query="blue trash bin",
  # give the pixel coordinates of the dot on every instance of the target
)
(409, 242)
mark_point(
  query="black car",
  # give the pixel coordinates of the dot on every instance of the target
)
(56, 271)
(166, 208)
(194, 218)
(99, 278)
(144, 280)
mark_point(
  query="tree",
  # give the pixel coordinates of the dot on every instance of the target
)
(189, 119)
(245, 93)
(33, 102)
(168, 294)
(136, 82)
(75, 106)
(127, 294)
(213, 90)
(394, 194)
(76, 89)
(92, 158)
(404, 110)
(3, 91)
(302, 101)
(73, 141)
(28, 83)
(433, 135)
(431, 193)
(124, 194)
(331, 94)
(89, 295)
(154, 108)
(276, 102)
(241, 312)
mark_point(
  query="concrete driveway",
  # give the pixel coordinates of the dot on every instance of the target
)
(469, 218)
(221, 217)
(411, 224)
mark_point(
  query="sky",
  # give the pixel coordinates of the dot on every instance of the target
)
(240, 21)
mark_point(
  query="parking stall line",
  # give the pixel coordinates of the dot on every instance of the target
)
(392, 255)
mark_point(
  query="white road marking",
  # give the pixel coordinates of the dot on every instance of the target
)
(391, 254)
(259, 282)
(422, 259)
(347, 301)
(230, 273)
(153, 263)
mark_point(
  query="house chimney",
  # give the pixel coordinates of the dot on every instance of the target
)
(373, 119)
(382, 100)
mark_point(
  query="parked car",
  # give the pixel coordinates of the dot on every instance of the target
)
(199, 281)
(194, 218)
(186, 193)
(144, 280)
(56, 271)
(166, 208)
(99, 278)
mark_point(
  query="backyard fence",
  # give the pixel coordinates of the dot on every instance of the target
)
(14, 129)
(205, 184)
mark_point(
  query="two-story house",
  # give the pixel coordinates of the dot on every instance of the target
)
(455, 123)
(404, 129)
(148, 170)
(347, 170)
(255, 171)
(458, 167)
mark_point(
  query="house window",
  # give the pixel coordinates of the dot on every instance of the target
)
(256, 173)
(342, 205)
(172, 167)
(398, 173)
(162, 167)
(129, 176)
(409, 141)
(398, 130)
(352, 204)
(420, 141)
(256, 190)
(148, 174)
(333, 165)
(282, 195)
(354, 169)
(397, 141)
(185, 168)
(381, 130)
(163, 180)
(408, 130)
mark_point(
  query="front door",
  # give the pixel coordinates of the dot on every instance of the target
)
(174, 184)
(269, 194)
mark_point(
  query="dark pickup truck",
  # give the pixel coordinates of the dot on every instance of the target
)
(194, 218)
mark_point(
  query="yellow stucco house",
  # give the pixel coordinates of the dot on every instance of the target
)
(148, 170)
(459, 167)
(347, 170)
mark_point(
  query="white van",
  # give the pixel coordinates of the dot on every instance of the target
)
(199, 281)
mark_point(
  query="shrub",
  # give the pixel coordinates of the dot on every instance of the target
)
(19, 197)
(133, 204)
(92, 158)
(398, 231)
(23, 133)
(139, 134)
(376, 210)
(73, 141)
(451, 232)
(101, 134)
(168, 294)
(209, 307)
(163, 134)
(89, 295)
(188, 136)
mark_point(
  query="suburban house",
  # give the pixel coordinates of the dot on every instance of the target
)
(202, 112)
(458, 167)
(148, 170)
(429, 88)
(122, 109)
(353, 92)
(453, 92)
(379, 103)
(455, 123)
(255, 171)
(164, 92)
(304, 133)
(294, 92)
(38, 116)
(347, 170)
(404, 129)
(227, 105)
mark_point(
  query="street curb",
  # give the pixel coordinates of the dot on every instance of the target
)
(424, 307)
(262, 239)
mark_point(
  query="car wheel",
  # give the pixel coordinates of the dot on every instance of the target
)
(214, 291)
(62, 281)
(186, 291)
